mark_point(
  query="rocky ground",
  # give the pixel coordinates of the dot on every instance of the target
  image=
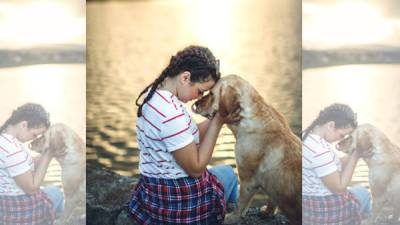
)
(108, 192)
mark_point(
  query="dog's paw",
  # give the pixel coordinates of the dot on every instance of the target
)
(231, 218)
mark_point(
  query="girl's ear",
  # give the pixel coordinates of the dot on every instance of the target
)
(185, 77)
(331, 124)
(24, 124)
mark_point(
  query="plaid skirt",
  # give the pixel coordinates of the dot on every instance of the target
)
(341, 209)
(35, 209)
(178, 201)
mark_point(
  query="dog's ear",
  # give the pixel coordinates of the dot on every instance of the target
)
(364, 143)
(57, 139)
(228, 101)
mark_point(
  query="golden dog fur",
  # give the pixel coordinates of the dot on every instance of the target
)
(383, 160)
(70, 151)
(268, 153)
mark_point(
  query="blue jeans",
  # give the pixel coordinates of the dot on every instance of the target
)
(229, 180)
(56, 196)
(364, 197)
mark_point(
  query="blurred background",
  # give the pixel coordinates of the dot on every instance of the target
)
(129, 43)
(42, 60)
(351, 54)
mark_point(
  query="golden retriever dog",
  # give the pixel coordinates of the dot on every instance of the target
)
(70, 151)
(383, 160)
(268, 153)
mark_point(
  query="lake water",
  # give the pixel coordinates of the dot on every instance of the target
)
(129, 43)
(61, 89)
(371, 90)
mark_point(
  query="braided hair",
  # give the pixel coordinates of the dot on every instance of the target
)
(197, 60)
(34, 114)
(341, 114)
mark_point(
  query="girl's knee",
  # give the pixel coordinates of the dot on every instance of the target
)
(54, 193)
(53, 190)
(227, 169)
(361, 191)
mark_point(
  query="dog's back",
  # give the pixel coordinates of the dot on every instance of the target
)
(268, 150)
(383, 160)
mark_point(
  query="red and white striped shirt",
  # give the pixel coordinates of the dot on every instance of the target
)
(165, 126)
(14, 160)
(319, 160)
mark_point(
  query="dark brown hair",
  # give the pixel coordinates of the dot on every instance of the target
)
(34, 114)
(197, 60)
(341, 114)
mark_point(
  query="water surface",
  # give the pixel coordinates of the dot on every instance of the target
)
(371, 90)
(60, 88)
(129, 43)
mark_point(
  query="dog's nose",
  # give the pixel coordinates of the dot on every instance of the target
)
(194, 107)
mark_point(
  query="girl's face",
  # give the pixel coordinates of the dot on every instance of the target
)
(27, 134)
(188, 90)
(334, 134)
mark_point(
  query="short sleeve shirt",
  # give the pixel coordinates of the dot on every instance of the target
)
(14, 160)
(165, 126)
(318, 160)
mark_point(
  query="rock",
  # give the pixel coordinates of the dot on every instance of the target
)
(107, 194)
(124, 218)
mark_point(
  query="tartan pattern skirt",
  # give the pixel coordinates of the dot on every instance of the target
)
(178, 201)
(341, 209)
(35, 209)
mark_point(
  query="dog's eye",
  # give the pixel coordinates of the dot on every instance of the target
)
(205, 93)
(347, 138)
(39, 137)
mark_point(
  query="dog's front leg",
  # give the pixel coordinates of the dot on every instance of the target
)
(377, 206)
(66, 214)
(247, 191)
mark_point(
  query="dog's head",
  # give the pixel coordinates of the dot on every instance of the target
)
(224, 98)
(52, 140)
(360, 140)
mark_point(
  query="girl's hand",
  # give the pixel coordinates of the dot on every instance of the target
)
(356, 154)
(232, 118)
(48, 154)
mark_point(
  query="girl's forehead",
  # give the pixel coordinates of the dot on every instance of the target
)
(346, 130)
(206, 85)
(39, 129)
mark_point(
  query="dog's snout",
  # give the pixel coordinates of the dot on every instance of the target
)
(194, 107)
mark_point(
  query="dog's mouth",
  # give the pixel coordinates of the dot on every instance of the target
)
(208, 115)
(344, 149)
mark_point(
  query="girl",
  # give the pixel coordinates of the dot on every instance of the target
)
(326, 199)
(175, 187)
(21, 199)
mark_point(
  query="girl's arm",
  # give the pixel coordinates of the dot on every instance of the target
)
(36, 159)
(30, 181)
(194, 159)
(203, 126)
(337, 182)
(344, 160)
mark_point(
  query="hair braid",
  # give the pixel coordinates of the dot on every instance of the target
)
(5, 125)
(341, 114)
(34, 114)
